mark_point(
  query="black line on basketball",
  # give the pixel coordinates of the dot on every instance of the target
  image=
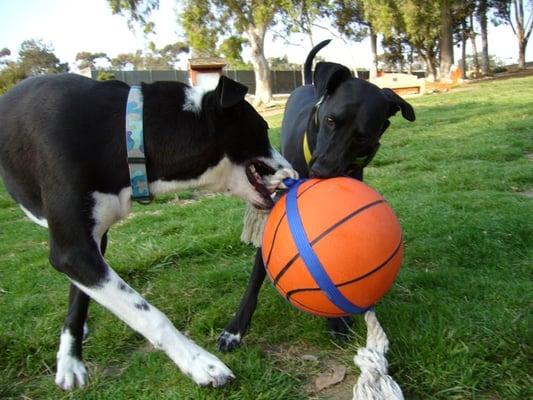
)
(341, 314)
(380, 266)
(325, 233)
(281, 219)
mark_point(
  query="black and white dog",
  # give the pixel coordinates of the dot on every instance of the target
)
(63, 159)
(331, 128)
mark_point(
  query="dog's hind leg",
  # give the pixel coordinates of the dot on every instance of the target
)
(70, 369)
(234, 331)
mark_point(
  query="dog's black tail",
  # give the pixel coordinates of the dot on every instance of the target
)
(308, 78)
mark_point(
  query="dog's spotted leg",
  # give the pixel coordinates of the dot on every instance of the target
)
(202, 367)
(87, 269)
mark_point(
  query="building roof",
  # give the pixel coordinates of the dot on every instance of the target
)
(207, 62)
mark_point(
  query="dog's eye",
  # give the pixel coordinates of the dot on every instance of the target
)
(330, 121)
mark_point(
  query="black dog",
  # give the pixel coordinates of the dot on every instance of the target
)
(338, 122)
(63, 159)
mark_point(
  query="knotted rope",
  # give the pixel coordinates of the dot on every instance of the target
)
(374, 383)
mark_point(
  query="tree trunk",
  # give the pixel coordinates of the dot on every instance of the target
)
(446, 41)
(475, 59)
(410, 61)
(263, 88)
(374, 50)
(521, 34)
(463, 50)
(522, 54)
(431, 64)
(482, 16)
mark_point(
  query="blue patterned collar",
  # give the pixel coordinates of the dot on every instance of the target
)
(135, 145)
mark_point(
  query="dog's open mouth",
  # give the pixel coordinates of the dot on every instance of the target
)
(255, 171)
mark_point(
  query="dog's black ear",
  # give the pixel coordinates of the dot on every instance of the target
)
(398, 103)
(328, 76)
(229, 92)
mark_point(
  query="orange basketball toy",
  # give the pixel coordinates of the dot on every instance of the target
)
(332, 247)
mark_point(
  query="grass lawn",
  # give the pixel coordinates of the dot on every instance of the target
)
(459, 316)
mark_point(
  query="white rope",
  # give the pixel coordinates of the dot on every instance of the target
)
(255, 219)
(374, 383)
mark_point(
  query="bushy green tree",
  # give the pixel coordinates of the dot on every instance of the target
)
(37, 58)
(231, 50)
(34, 58)
(87, 59)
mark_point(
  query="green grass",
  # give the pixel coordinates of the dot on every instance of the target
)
(460, 179)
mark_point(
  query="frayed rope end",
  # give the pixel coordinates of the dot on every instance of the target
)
(254, 223)
(374, 383)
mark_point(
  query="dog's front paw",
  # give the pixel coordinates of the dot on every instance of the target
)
(207, 370)
(71, 372)
(228, 341)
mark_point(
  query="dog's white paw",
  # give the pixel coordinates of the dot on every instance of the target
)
(71, 372)
(228, 341)
(207, 370)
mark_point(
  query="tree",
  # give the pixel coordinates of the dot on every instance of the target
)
(521, 23)
(170, 54)
(86, 59)
(416, 21)
(199, 24)
(37, 58)
(124, 61)
(4, 53)
(231, 49)
(481, 14)
(10, 76)
(34, 58)
(163, 59)
(299, 16)
(244, 17)
(446, 38)
(282, 64)
(472, 36)
(393, 58)
(136, 12)
(251, 19)
(352, 19)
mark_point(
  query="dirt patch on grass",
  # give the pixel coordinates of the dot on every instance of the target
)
(314, 364)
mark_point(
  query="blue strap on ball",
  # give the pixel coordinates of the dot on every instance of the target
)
(309, 256)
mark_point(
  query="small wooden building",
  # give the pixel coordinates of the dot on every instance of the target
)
(206, 71)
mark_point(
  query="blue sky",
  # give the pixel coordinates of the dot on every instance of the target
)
(72, 26)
